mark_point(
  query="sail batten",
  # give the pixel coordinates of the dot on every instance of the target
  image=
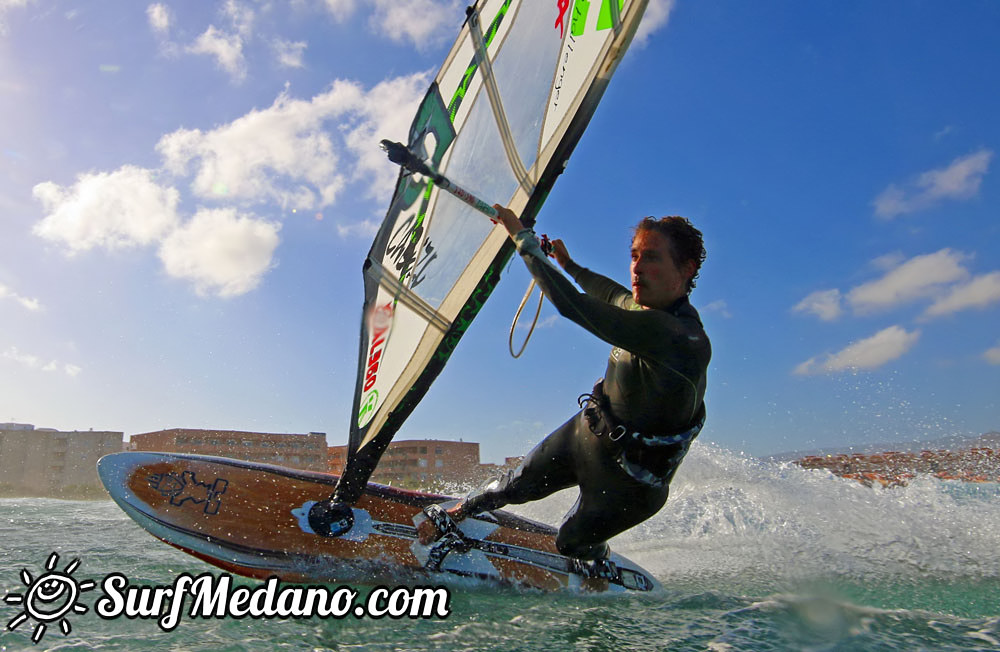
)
(501, 118)
(402, 294)
(493, 93)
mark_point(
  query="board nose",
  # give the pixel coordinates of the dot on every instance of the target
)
(111, 469)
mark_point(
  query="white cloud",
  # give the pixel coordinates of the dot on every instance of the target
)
(117, 209)
(871, 353)
(289, 54)
(959, 180)
(5, 6)
(944, 131)
(548, 322)
(886, 262)
(526, 321)
(940, 276)
(289, 154)
(240, 16)
(247, 158)
(25, 359)
(718, 306)
(980, 292)
(221, 252)
(992, 355)
(365, 229)
(340, 9)
(386, 112)
(918, 277)
(656, 16)
(423, 22)
(284, 154)
(27, 303)
(159, 18)
(226, 48)
(891, 202)
(825, 304)
(31, 361)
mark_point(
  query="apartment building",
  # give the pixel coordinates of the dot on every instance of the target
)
(47, 462)
(426, 464)
(297, 451)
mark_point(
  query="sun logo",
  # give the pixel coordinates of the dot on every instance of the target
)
(50, 597)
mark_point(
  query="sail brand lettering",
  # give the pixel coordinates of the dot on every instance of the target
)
(372, 373)
(402, 249)
(380, 323)
(431, 128)
(562, 72)
(578, 24)
(429, 257)
(561, 18)
(381, 319)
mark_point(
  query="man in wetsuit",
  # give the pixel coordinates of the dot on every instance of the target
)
(623, 448)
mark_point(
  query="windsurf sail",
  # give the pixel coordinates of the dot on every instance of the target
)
(501, 118)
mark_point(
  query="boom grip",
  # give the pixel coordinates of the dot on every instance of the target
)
(401, 155)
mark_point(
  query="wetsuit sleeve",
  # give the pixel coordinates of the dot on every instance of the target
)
(598, 286)
(654, 334)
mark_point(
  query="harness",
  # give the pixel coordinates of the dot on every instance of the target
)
(649, 458)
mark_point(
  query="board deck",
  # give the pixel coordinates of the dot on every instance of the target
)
(250, 519)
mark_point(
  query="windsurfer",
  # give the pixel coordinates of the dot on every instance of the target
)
(623, 448)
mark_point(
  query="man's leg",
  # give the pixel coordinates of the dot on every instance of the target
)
(610, 501)
(598, 516)
(548, 468)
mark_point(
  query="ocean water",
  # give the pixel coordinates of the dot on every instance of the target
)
(753, 555)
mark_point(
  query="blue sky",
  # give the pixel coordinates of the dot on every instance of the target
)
(188, 190)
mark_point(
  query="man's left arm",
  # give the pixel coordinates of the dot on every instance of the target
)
(654, 334)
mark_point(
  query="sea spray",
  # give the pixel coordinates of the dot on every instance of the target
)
(758, 523)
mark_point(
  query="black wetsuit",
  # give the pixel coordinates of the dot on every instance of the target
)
(654, 384)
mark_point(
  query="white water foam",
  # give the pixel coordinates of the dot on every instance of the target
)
(733, 516)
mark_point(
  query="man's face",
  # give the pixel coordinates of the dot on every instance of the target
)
(656, 280)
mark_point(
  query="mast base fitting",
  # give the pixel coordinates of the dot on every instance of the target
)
(331, 518)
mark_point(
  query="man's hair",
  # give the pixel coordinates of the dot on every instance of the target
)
(686, 242)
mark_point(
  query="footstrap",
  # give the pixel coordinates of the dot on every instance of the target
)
(451, 538)
(440, 518)
(597, 568)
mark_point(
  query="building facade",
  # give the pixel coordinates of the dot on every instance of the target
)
(46, 462)
(424, 464)
(308, 452)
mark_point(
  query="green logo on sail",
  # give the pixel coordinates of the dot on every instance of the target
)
(367, 408)
(579, 16)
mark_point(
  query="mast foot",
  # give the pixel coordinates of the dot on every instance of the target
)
(330, 518)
